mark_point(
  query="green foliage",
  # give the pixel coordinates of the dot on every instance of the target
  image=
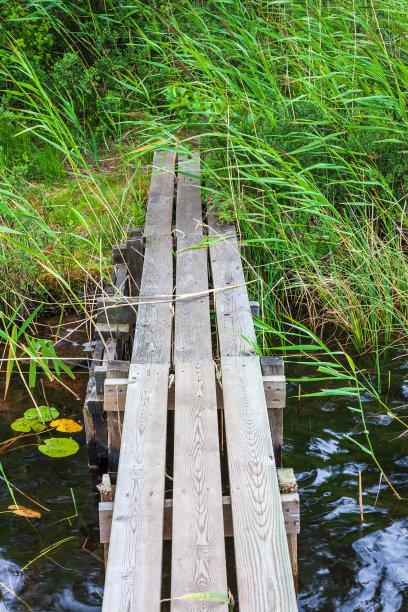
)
(300, 114)
(30, 30)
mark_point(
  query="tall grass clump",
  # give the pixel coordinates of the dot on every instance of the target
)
(299, 111)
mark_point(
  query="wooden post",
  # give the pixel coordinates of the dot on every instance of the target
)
(275, 393)
(115, 398)
(254, 306)
(134, 259)
(290, 504)
(107, 493)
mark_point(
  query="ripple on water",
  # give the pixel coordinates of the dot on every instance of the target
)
(382, 571)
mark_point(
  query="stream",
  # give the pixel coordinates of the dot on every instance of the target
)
(344, 565)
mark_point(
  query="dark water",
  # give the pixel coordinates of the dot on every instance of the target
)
(68, 578)
(343, 565)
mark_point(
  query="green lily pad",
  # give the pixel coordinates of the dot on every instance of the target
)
(21, 425)
(47, 414)
(59, 447)
(26, 425)
(36, 425)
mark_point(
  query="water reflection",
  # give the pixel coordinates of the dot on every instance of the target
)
(345, 565)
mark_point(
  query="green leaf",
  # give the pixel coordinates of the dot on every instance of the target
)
(43, 412)
(364, 448)
(21, 425)
(26, 425)
(214, 596)
(59, 447)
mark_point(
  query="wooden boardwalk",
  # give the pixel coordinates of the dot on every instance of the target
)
(175, 348)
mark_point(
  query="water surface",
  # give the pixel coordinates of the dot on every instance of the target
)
(344, 565)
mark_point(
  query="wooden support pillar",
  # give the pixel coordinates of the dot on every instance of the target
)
(115, 389)
(134, 259)
(290, 504)
(275, 394)
(107, 493)
(254, 306)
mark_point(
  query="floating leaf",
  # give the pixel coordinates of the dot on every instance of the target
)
(21, 425)
(22, 511)
(36, 425)
(24, 424)
(59, 447)
(47, 414)
(66, 425)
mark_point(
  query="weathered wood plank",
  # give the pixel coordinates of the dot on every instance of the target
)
(198, 552)
(117, 310)
(264, 573)
(133, 578)
(189, 216)
(160, 205)
(290, 509)
(152, 342)
(192, 323)
(234, 317)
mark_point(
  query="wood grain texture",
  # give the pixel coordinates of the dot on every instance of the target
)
(192, 325)
(133, 577)
(114, 427)
(161, 194)
(264, 572)
(189, 216)
(198, 552)
(152, 341)
(234, 317)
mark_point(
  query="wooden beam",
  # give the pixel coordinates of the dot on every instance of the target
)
(198, 549)
(161, 195)
(133, 577)
(265, 583)
(290, 509)
(152, 341)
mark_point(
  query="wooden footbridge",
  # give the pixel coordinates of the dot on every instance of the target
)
(168, 384)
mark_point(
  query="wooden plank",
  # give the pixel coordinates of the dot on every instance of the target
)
(160, 204)
(119, 253)
(234, 317)
(198, 551)
(264, 573)
(118, 331)
(121, 287)
(152, 342)
(189, 215)
(290, 509)
(117, 310)
(133, 577)
(192, 324)
(114, 423)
